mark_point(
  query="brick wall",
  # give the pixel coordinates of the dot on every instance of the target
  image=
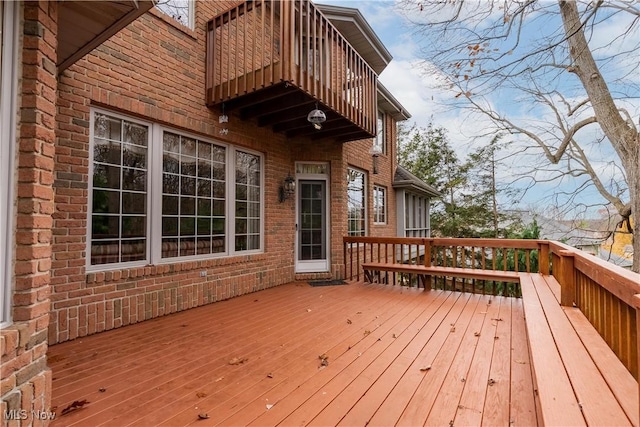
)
(155, 69)
(26, 381)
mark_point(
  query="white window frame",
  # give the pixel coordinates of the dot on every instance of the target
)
(154, 201)
(190, 19)
(117, 265)
(8, 89)
(380, 141)
(379, 195)
(364, 231)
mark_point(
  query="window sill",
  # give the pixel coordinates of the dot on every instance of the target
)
(117, 273)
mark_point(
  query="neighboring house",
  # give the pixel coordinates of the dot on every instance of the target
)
(153, 164)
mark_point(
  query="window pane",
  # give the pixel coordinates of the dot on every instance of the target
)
(134, 203)
(105, 176)
(119, 190)
(105, 201)
(247, 205)
(199, 185)
(356, 203)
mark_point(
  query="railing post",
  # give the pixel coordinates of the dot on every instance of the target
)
(543, 259)
(428, 285)
(567, 278)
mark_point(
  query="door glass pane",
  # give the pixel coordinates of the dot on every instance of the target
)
(312, 220)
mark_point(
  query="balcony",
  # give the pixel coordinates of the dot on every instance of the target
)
(386, 353)
(274, 61)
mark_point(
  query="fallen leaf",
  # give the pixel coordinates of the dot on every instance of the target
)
(394, 336)
(77, 404)
(359, 312)
(308, 310)
(219, 379)
(498, 319)
(463, 380)
(491, 381)
(102, 389)
(520, 362)
(367, 332)
(349, 321)
(237, 360)
(269, 375)
(203, 416)
(425, 368)
(269, 406)
(201, 394)
(476, 334)
(453, 329)
(324, 360)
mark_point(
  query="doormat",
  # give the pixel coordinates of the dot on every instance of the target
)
(327, 282)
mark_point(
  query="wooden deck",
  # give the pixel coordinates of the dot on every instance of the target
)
(393, 356)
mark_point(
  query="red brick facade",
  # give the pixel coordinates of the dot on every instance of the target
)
(26, 380)
(152, 70)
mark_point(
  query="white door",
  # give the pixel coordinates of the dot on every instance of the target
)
(312, 237)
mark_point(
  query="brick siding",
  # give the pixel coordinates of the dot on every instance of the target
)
(26, 381)
(155, 69)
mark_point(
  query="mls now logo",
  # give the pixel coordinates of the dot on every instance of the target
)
(22, 414)
(16, 414)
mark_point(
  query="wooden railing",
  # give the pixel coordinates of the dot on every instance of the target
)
(262, 43)
(608, 295)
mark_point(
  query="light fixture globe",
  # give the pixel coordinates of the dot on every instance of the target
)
(316, 117)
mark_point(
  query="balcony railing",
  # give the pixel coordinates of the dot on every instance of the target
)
(609, 296)
(290, 45)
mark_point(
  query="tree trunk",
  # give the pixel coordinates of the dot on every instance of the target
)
(622, 135)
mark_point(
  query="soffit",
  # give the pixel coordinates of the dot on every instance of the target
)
(359, 34)
(84, 25)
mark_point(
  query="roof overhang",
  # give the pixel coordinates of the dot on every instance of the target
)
(390, 105)
(359, 34)
(84, 25)
(405, 180)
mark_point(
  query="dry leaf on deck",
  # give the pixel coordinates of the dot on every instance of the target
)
(237, 360)
(367, 332)
(425, 368)
(349, 321)
(203, 416)
(77, 404)
(201, 394)
(476, 334)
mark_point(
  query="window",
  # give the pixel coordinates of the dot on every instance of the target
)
(180, 10)
(356, 208)
(379, 205)
(379, 143)
(416, 216)
(193, 196)
(8, 89)
(247, 232)
(208, 199)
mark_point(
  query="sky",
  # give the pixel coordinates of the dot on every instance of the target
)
(420, 92)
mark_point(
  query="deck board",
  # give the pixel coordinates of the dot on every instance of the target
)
(168, 370)
(597, 408)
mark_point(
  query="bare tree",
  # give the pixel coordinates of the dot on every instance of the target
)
(571, 69)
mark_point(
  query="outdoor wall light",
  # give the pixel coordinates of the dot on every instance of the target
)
(375, 152)
(316, 117)
(288, 188)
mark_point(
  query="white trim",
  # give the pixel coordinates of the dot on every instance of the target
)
(313, 266)
(384, 204)
(365, 196)
(154, 196)
(9, 90)
(119, 265)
